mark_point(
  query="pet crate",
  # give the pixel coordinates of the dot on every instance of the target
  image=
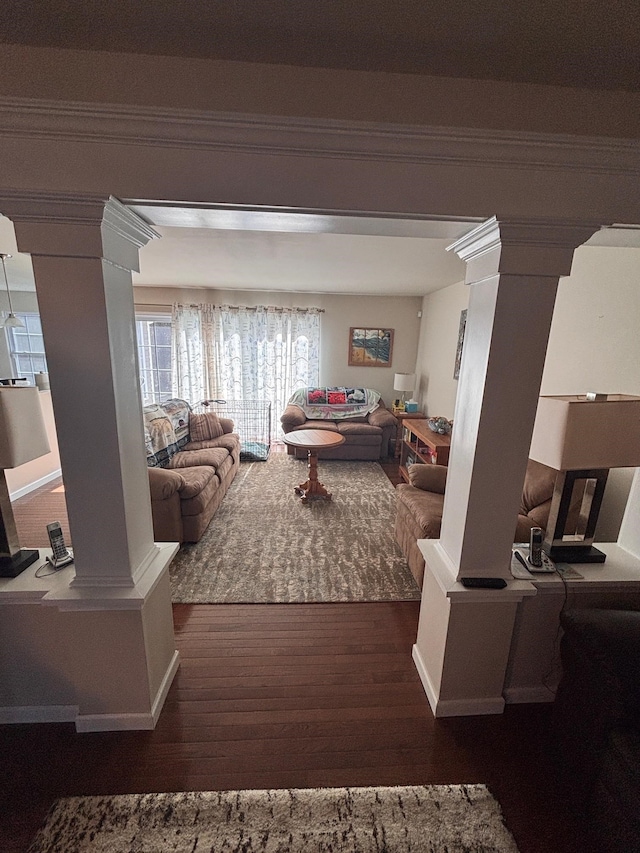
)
(251, 421)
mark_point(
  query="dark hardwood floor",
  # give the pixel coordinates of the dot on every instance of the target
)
(272, 696)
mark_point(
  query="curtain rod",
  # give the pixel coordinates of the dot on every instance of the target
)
(256, 307)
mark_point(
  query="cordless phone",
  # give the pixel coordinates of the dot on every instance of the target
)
(535, 547)
(61, 554)
(536, 560)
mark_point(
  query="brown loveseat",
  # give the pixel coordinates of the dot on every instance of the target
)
(192, 460)
(369, 436)
(420, 504)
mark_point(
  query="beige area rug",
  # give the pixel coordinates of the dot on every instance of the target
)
(419, 819)
(265, 546)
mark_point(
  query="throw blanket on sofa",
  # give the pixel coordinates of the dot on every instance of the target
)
(335, 403)
(166, 430)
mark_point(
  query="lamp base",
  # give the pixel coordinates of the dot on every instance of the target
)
(576, 554)
(11, 567)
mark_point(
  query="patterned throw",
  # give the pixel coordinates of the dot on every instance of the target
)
(166, 430)
(335, 403)
(416, 819)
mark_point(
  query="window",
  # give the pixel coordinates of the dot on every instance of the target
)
(26, 347)
(154, 357)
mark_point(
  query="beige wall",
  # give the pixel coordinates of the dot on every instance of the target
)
(594, 345)
(399, 313)
(437, 349)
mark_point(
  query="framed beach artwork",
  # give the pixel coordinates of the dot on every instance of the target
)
(461, 328)
(370, 347)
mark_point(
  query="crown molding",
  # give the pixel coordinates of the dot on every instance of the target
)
(144, 126)
(534, 234)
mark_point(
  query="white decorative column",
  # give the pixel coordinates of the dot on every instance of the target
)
(83, 254)
(114, 655)
(464, 635)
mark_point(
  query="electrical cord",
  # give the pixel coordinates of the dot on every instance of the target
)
(555, 650)
(51, 565)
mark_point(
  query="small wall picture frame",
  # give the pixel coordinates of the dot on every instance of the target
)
(370, 347)
(461, 330)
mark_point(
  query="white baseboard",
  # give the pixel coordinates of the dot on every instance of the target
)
(114, 722)
(39, 714)
(454, 707)
(31, 487)
(528, 695)
(131, 722)
(424, 678)
(164, 687)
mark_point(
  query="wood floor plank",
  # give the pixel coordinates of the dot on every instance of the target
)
(295, 695)
(273, 712)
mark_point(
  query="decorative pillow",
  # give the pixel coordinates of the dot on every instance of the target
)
(335, 403)
(204, 427)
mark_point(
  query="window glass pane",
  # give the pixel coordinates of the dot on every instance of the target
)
(154, 357)
(164, 377)
(36, 343)
(32, 322)
(164, 358)
(39, 363)
(163, 334)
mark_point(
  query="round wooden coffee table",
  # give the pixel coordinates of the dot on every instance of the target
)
(313, 440)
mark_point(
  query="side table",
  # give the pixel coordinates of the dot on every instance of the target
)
(404, 416)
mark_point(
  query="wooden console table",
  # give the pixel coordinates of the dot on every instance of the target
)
(421, 445)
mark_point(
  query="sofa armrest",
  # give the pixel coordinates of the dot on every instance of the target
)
(292, 416)
(429, 478)
(611, 640)
(164, 483)
(382, 417)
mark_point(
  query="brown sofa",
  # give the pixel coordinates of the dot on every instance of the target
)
(371, 437)
(420, 504)
(188, 479)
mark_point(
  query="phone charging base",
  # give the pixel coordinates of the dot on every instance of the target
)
(11, 567)
(61, 561)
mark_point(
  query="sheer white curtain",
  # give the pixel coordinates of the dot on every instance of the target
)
(237, 353)
(193, 366)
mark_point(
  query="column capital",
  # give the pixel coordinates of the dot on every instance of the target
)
(65, 225)
(521, 247)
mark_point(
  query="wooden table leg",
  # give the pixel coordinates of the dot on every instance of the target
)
(312, 488)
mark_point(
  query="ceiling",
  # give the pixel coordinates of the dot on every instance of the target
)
(294, 251)
(584, 43)
(276, 250)
(281, 251)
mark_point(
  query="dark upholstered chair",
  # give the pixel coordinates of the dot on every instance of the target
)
(597, 723)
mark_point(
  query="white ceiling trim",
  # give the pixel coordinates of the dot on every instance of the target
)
(37, 118)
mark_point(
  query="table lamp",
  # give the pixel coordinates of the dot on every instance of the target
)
(23, 437)
(404, 382)
(582, 437)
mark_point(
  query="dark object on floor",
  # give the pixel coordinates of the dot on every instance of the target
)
(597, 723)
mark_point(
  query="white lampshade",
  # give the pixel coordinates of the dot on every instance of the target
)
(404, 382)
(23, 435)
(573, 433)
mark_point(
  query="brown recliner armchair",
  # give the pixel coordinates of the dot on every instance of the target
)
(420, 503)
